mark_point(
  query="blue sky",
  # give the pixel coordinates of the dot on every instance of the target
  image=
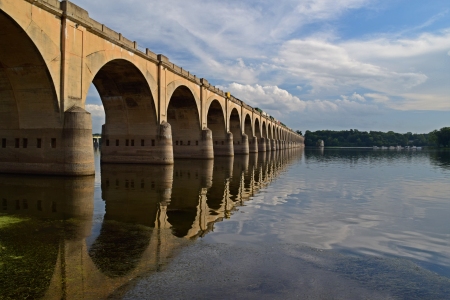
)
(313, 64)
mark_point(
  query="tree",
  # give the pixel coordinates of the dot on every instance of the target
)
(441, 137)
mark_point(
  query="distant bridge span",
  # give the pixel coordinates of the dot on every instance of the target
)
(51, 52)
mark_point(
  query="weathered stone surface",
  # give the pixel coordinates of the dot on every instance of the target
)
(51, 52)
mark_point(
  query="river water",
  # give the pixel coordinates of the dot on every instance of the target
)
(294, 224)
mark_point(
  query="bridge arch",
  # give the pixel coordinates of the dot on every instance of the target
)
(235, 126)
(97, 61)
(240, 139)
(216, 123)
(131, 120)
(174, 87)
(29, 99)
(184, 118)
(127, 99)
(248, 128)
(264, 130)
(257, 129)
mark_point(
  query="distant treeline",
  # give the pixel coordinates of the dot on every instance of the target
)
(356, 138)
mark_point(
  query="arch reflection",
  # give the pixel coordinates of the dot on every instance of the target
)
(150, 213)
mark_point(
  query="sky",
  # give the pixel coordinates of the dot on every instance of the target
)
(313, 64)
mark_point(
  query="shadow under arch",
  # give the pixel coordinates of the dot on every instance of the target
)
(30, 118)
(258, 129)
(222, 140)
(29, 99)
(259, 136)
(253, 141)
(130, 113)
(240, 139)
(183, 116)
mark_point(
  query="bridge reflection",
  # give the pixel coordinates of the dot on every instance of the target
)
(151, 212)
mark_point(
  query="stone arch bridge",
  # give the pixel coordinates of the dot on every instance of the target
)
(51, 52)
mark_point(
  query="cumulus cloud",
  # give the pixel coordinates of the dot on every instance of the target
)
(95, 110)
(329, 66)
(377, 97)
(280, 102)
(355, 96)
(422, 102)
(98, 116)
(391, 47)
(267, 97)
(263, 45)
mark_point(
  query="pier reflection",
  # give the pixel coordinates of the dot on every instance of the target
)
(151, 212)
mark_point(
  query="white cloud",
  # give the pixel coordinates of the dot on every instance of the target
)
(358, 97)
(98, 116)
(422, 102)
(264, 45)
(96, 110)
(280, 102)
(355, 96)
(378, 98)
(392, 47)
(330, 67)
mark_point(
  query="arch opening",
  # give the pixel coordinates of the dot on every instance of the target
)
(216, 123)
(257, 129)
(235, 127)
(248, 126)
(28, 96)
(264, 130)
(30, 120)
(182, 115)
(130, 118)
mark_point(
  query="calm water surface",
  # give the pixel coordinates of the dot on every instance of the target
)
(333, 224)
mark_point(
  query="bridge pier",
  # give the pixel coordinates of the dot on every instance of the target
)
(242, 147)
(154, 110)
(150, 149)
(253, 145)
(262, 145)
(273, 144)
(60, 151)
(224, 148)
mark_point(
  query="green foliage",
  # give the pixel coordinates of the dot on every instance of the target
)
(28, 255)
(356, 138)
(299, 132)
(441, 138)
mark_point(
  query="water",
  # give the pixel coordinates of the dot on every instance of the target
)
(333, 224)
